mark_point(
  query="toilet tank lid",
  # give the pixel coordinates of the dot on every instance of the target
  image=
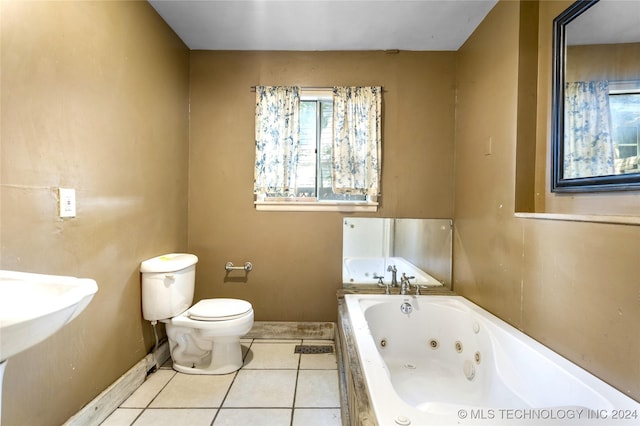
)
(169, 262)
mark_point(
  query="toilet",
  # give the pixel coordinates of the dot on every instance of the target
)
(203, 338)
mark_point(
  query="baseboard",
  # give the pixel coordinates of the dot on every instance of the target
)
(291, 330)
(111, 398)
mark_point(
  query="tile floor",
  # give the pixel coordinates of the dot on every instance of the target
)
(274, 387)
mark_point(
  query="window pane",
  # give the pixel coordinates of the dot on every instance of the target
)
(326, 143)
(306, 171)
(625, 120)
(325, 184)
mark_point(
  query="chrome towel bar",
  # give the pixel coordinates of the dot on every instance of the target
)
(229, 267)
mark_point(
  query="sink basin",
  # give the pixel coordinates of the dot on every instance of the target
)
(34, 306)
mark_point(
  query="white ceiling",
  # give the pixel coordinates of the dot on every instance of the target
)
(324, 24)
(606, 22)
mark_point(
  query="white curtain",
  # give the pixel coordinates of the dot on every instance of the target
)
(588, 144)
(357, 140)
(277, 139)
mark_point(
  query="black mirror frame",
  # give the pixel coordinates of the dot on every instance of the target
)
(624, 182)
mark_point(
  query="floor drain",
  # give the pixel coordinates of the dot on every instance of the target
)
(313, 349)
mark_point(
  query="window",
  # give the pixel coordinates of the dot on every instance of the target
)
(315, 151)
(624, 105)
(297, 164)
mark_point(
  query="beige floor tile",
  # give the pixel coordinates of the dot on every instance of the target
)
(319, 361)
(176, 417)
(317, 417)
(122, 417)
(273, 356)
(149, 389)
(253, 417)
(317, 388)
(262, 388)
(193, 391)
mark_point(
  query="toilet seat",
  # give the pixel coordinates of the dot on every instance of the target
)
(219, 309)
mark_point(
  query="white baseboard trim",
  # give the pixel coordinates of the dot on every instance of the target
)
(111, 398)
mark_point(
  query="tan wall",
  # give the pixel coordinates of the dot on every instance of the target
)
(573, 286)
(94, 97)
(603, 62)
(297, 256)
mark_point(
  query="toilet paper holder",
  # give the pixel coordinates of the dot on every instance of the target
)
(229, 267)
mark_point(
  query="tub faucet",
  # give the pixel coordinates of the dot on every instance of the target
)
(394, 277)
(405, 284)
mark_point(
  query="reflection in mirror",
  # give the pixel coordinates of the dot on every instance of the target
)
(371, 247)
(596, 111)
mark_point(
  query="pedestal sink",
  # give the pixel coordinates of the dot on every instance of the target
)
(34, 306)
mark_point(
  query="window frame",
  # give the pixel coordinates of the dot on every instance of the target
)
(262, 203)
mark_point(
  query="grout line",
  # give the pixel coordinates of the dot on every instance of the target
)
(295, 389)
(255, 408)
(161, 389)
(138, 416)
(235, 376)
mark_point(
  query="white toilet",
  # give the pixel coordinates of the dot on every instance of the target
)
(203, 338)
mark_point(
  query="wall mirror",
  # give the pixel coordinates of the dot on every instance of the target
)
(596, 97)
(418, 247)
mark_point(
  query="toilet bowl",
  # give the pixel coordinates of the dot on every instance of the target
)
(203, 338)
(209, 343)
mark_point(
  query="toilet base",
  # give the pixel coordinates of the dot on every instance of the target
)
(224, 358)
(205, 351)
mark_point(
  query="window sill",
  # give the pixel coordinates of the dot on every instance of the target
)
(621, 220)
(301, 206)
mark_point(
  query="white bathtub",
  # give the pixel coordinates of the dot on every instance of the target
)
(361, 270)
(451, 362)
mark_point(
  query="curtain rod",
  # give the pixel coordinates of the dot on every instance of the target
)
(314, 88)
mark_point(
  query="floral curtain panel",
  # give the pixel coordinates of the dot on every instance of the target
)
(357, 147)
(588, 144)
(277, 139)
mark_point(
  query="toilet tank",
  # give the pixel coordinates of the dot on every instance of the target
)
(168, 283)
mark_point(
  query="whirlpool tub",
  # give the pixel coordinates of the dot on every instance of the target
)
(442, 360)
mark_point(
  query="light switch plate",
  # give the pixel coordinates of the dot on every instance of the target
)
(66, 202)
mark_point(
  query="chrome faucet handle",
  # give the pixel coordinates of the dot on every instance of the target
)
(416, 285)
(405, 277)
(406, 284)
(382, 284)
